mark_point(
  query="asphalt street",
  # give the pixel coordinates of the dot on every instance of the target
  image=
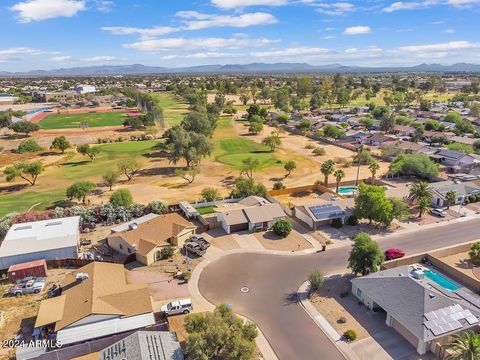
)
(270, 283)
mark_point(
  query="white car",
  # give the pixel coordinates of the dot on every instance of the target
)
(438, 212)
(183, 306)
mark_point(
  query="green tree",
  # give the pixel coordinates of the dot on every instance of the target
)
(157, 207)
(189, 175)
(420, 190)
(28, 146)
(326, 169)
(121, 197)
(305, 126)
(272, 141)
(211, 194)
(87, 150)
(249, 165)
(60, 143)
(418, 165)
(24, 127)
(255, 127)
(190, 146)
(332, 131)
(373, 167)
(282, 228)
(400, 209)
(316, 101)
(372, 204)
(80, 190)
(110, 178)
(219, 335)
(450, 196)
(474, 252)
(365, 256)
(465, 346)
(27, 171)
(289, 167)
(315, 279)
(338, 174)
(423, 205)
(247, 187)
(129, 168)
(304, 86)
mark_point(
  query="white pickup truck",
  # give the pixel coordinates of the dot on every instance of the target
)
(30, 285)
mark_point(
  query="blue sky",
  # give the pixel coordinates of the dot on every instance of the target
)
(46, 34)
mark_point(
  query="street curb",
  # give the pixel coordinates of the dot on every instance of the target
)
(302, 296)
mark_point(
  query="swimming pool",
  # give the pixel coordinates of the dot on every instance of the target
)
(442, 281)
(345, 190)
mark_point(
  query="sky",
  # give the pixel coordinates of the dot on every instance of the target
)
(51, 34)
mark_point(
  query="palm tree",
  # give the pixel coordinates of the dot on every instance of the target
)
(339, 175)
(423, 205)
(450, 196)
(420, 190)
(327, 169)
(465, 346)
(373, 167)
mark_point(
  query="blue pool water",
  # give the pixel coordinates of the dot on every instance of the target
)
(347, 189)
(440, 280)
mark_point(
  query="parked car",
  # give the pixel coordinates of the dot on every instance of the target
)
(183, 306)
(394, 253)
(193, 248)
(30, 285)
(438, 212)
(200, 240)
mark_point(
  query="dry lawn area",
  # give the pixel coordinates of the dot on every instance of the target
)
(352, 231)
(293, 242)
(461, 262)
(333, 307)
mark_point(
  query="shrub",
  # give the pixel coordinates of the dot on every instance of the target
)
(350, 335)
(309, 146)
(157, 207)
(319, 151)
(337, 223)
(185, 276)
(122, 197)
(167, 252)
(278, 185)
(342, 320)
(282, 228)
(352, 220)
(27, 146)
(316, 280)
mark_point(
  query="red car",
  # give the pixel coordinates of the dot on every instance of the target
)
(394, 253)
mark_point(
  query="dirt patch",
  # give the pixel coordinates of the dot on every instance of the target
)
(352, 231)
(329, 302)
(293, 242)
(226, 242)
(461, 262)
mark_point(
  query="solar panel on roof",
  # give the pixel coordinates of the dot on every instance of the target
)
(326, 211)
(472, 320)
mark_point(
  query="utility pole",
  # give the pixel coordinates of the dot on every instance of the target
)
(360, 149)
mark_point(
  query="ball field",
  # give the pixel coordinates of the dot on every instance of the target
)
(74, 121)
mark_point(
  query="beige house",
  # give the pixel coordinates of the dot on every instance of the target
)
(146, 239)
(97, 300)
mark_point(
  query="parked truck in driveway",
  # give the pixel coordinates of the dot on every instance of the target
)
(30, 285)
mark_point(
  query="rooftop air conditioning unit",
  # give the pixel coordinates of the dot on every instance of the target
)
(133, 226)
(81, 276)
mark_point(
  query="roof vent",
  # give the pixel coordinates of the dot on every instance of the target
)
(81, 276)
(54, 223)
(431, 296)
(400, 274)
(132, 226)
(25, 227)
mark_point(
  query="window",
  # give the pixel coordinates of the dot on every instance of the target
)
(359, 292)
(129, 250)
(120, 246)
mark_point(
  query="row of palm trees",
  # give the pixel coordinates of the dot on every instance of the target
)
(328, 167)
(421, 195)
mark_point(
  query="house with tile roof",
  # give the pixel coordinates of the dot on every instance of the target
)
(97, 300)
(146, 239)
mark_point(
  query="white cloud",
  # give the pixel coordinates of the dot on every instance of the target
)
(100, 58)
(20, 51)
(37, 10)
(297, 51)
(196, 21)
(400, 5)
(441, 47)
(145, 33)
(463, 2)
(184, 44)
(104, 6)
(357, 30)
(234, 4)
(449, 31)
(61, 58)
(338, 8)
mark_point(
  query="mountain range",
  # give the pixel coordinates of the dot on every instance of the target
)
(138, 69)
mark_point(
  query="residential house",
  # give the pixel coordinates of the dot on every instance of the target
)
(454, 160)
(462, 190)
(319, 215)
(253, 214)
(146, 239)
(47, 239)
(419, 308)
(403, 130)
(409, 147)
(97, 300)
(377, 140)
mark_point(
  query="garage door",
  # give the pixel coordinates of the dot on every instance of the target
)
(238, 227)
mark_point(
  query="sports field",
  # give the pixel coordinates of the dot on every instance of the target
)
(74, 121)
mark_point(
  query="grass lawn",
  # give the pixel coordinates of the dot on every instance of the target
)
(174, 108)
(23, 201)
(69, 121)
(232, 151)
(206, 210)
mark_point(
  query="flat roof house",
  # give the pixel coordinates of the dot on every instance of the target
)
(47, 239)
(424, 306)
(146, 239)
(97, 300)
(462, 190)
(260, 215)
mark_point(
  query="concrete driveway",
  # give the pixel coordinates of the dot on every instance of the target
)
(386, 345)
(272, 282)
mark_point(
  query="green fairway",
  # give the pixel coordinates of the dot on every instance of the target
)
(234, 150)
(174, 107)
(25, 200)
(72, 121)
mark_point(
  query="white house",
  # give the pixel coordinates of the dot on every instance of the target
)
(85, 89)
(46, 239)
(97, 300)
(462, 191)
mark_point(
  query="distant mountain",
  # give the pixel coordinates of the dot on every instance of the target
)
(138, 69)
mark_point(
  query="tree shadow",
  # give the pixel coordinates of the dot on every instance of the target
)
(13, 188)
(65, 203)
(76, 163)
(165, 171)
(290, 298)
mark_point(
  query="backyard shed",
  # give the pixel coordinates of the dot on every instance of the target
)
(37, 268)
